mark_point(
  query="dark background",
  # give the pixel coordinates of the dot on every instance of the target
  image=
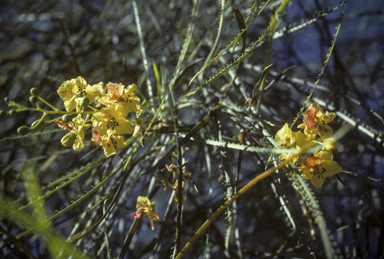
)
(43, 43)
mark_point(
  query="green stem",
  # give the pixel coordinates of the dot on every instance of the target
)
(82, 126)
(158, 196)
(47, 103)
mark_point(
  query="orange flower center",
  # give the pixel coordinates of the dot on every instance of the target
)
(312, 161)
(310, 117)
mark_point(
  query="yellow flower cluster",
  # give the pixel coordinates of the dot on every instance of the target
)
(109, 122)
(319, 165)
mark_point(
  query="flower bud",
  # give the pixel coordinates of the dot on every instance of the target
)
(68, 139)
(2, 113)
(39, 124)
(34, 92)
(23, 130)
(329, 144)
(84, 102)
(6, 99)
(33, 99)
(12, 112)
(66, 118)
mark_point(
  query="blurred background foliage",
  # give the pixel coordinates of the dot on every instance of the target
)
(43, 43)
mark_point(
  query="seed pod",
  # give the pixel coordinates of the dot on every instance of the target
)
(38, 124)
(68, 139)
(34, 92)
(66, 118)
(2, 113)
(33, 99)
(23, 130)
(84, 102)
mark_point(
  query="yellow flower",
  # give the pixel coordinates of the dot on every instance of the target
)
(124, 100)
(319, 166)
(144, 206)
(109, 118)
(111, 143)
(315, 121)
(286, 138)
(73, 90)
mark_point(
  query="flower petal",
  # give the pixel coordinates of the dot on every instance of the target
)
(317, 181)
(328, 117)
(115, 90)
(119, 142)
(312, 161)
(124, 127)
(142, 202)
(130, 89)
(285, 137)
(78, 144)
(325, 155)
(325, 132)
(310, 117)
(331, 168)
(305, 172)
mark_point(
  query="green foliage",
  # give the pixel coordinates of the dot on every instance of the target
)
(208, 159)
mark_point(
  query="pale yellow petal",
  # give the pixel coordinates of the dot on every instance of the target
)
(70, 104)
(311, 133)
(301, 126)
(285, 137)
(136, 130)
(122, 109)
(317, 181)
(78, 144)
(78, 120)
(113, 110)
(331, 168)
(109, 148)
(92, 93)
(302, 139)
(80, 82)
(326, 155)
(123, 127)
(120, 143)
(100, 121)
(67, 90)
(134, 103)
(130, 89)
(305, 172)
(142, 203)
(327, 118)
(127, 104)
(325, 132)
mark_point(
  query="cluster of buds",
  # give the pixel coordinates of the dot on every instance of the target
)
(108, 122)
(33, 99)
(320, 165)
